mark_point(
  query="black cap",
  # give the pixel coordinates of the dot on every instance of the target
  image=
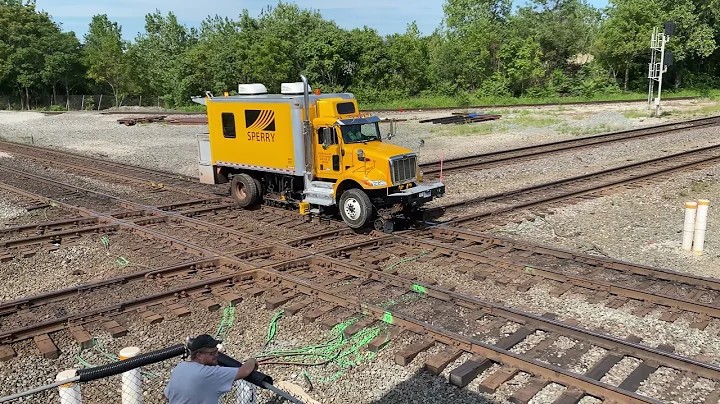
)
(203, 341)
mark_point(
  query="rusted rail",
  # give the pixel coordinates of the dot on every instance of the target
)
(509, 156)
(567, 189)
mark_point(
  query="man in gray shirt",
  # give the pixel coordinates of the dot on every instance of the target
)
(201, 380)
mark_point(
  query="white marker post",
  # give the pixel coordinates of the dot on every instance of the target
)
(689, 228)
(132, 392)
(69, 392)
(700, 225)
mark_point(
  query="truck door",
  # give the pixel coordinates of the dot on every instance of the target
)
(327, 154)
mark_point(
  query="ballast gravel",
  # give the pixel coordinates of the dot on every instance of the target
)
(641, 226)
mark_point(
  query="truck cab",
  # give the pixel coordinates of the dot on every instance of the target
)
(314, 151)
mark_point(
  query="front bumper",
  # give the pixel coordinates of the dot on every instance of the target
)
(417, 195)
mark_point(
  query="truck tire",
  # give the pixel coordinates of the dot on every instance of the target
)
(244, 190)
(260, 191)
(355, 207)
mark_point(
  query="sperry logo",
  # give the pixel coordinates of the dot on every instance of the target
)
(260, 125)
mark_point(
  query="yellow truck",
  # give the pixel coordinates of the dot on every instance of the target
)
(313, 151)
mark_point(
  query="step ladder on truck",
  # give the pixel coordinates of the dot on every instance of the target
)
(313, 151)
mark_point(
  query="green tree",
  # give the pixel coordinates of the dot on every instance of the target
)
(27, 37)
(105, 56)
(63, 65)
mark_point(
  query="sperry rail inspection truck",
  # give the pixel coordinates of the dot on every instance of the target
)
(315, 152)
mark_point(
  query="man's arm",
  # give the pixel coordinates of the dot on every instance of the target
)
(248, 367)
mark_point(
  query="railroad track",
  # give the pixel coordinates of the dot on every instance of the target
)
(498, 343)
(424, 109)
(515, 342)
(490, 210)
(494, 159)
(117, 172)
(469, 258)
(322, 281)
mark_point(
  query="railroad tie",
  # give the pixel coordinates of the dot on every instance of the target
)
(409, 353)
(570, 396)
(149, 316)
(178, 310)
(46, 346)
(291, 310)
(643, 371)
(525, 394)
(436, 364)
(313, 315)
(381, 340)
(462, 375)
(7, 353)
(271, 303)
(81, 336)
(206, 302)
(357, 326)
(114, 328)
(336, 319)
(496, 379)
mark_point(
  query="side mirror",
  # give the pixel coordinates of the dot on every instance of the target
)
(325, 144)
(389, 136)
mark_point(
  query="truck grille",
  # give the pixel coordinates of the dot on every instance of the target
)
(402, 169)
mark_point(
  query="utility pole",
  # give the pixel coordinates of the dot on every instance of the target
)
(657, 68)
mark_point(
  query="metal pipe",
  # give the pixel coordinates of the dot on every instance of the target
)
(307, 135)
(38, 389)
(306, 99)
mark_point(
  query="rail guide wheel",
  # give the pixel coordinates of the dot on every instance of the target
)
(384, 225)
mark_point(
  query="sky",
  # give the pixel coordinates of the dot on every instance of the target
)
(386, 16)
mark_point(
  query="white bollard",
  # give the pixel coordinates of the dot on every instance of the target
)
(132, 392)
(69, 392)
(245, 392)
(700, 225)
(689, 228)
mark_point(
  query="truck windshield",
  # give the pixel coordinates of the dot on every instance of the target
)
(360, 133)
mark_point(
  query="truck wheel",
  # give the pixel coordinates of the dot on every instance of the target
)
(244, 190)
(355, 207)
(260, 191)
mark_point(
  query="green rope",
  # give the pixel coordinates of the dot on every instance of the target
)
(97, 345)
(272, 328)
(227, 321)
(343, 352)
(404, 260)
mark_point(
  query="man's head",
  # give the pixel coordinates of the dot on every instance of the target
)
(204, 349)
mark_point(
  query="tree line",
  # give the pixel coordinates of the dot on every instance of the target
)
(482, 48)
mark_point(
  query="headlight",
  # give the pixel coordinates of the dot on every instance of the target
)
(375, 183)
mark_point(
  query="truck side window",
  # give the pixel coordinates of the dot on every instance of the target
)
(228, 123)
(327, 133)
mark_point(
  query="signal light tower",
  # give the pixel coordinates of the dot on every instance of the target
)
(656, 69)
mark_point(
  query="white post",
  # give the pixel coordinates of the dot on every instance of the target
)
(689, 228)
(245, 392)
(69, 392)
(132, 392)
(700, 225)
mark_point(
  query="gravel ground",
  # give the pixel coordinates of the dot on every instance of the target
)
(619, 322)
(472, 184)
(378, 380)
(641, 226)
(85, 261)
(156, 145)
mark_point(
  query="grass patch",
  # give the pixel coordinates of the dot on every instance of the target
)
(468, 129)
(529, 121)
(566, 129)
(488, 102)
(701, 186)
(636, 114)
(192, 108)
